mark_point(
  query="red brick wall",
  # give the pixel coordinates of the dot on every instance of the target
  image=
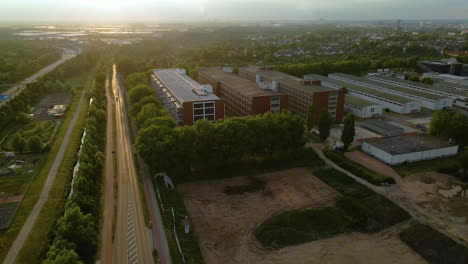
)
(188, 113)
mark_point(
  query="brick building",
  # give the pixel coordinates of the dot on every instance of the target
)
(300, 92)
(242, 96)
(184, 98)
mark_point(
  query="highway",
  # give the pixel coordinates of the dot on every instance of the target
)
(16, 89)
(132, 242)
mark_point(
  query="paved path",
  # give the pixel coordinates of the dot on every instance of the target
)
(29, 224)
(15, 90)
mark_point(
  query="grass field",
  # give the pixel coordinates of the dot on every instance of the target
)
(34, 189)
(447, 164)
(433, 246)
(359, 210)
(357, 169)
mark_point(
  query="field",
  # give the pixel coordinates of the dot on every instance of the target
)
(236, 215)
(7, 212)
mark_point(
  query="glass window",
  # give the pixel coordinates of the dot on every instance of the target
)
(198, 112)
(275, 98)
(209, 104)
(209, 111)
(199, 105)
(275, 105)
(372, 110)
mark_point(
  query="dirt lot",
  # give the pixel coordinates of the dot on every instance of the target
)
(40, 111)
(224, 224)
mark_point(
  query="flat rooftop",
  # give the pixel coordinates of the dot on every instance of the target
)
(396, 88)
(240, 84)
(420, 85)
(359, 102)
(184, 88)
(287, 79)
(363, 89)
(404, 144)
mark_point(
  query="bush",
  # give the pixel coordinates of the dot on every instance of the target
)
(357, 169)
(433, 246)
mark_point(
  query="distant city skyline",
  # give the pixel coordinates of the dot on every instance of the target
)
(163, 10)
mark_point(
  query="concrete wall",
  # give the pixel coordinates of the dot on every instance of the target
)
(365, 112)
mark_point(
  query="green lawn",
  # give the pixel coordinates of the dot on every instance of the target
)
(358, 210)
(357, 169)
(443, 165)
(7, 236)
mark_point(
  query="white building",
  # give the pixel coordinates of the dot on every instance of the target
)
(428, 100)
(362, 108)
(394, 103)
(408, 148)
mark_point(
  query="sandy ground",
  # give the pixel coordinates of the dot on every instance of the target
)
(224, 224)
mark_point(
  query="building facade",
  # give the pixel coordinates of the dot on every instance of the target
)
(185, 99)
(362, 108)
(301, 93)
(242, 97)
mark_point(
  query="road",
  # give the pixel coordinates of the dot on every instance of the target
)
(29, 224)
(107, 253)
(15, 90)
(133, 242)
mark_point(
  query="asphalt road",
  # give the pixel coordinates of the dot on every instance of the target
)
(29, 224)
(107, 252)
(15, 90)
(132, 243)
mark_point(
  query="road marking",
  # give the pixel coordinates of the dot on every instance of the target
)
(132, 250)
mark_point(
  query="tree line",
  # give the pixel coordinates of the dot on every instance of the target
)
(449, 124)
(180, 150)
(75, 233)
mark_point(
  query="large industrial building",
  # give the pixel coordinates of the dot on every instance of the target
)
(395, 103)
(301, 93)
(184, 98)
(242, 97)
(408, 148)
(362, 108)
(428, 100)
(460, 98)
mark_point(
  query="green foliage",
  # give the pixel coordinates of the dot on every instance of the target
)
(446, 123)
(347, 136)
(136, 78)
(357, 169)
(139, 92)
(433, 246)
(325, 123)
(414, 78)
(35, 144)
(310, 118)
(427, 80)
(19, 143)
(359, 210)
(60, 256)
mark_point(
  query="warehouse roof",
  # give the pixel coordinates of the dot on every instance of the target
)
(420, 85)
(395, 88)
(359, 102)
(184, 88)
(286, 79)
(362, 89)
(240, 84)
(382, 127)
(404, 144)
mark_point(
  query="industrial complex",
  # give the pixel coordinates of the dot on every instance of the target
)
(395, 103)
(242, 97)
(184, 98)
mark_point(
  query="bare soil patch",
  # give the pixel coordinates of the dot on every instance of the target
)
(224, 224)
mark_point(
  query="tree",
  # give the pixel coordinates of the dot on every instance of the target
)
(440, 122)
(59, 256)
(19, 143)
(135, 79)
(427, 80)
(458, 129)
(35, 144)
(347, 137)
(413, 78)
(139, 92)
(310, 122)
(325, 123)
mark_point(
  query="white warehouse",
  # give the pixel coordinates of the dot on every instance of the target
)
(408, 148)
(428, 100)
(394, 103)
(460, 98)
(362, 108)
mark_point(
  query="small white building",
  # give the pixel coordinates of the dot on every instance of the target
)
(362, 108)
(408, 148)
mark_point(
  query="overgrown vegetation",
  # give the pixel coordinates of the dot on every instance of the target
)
(75, 233)
(358, 210)
(357, 169)
(433, 246)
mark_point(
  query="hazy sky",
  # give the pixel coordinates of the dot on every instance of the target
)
(114, 10)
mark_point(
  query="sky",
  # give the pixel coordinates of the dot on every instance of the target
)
(189, 10)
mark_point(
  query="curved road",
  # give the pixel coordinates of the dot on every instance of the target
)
(29, 224)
